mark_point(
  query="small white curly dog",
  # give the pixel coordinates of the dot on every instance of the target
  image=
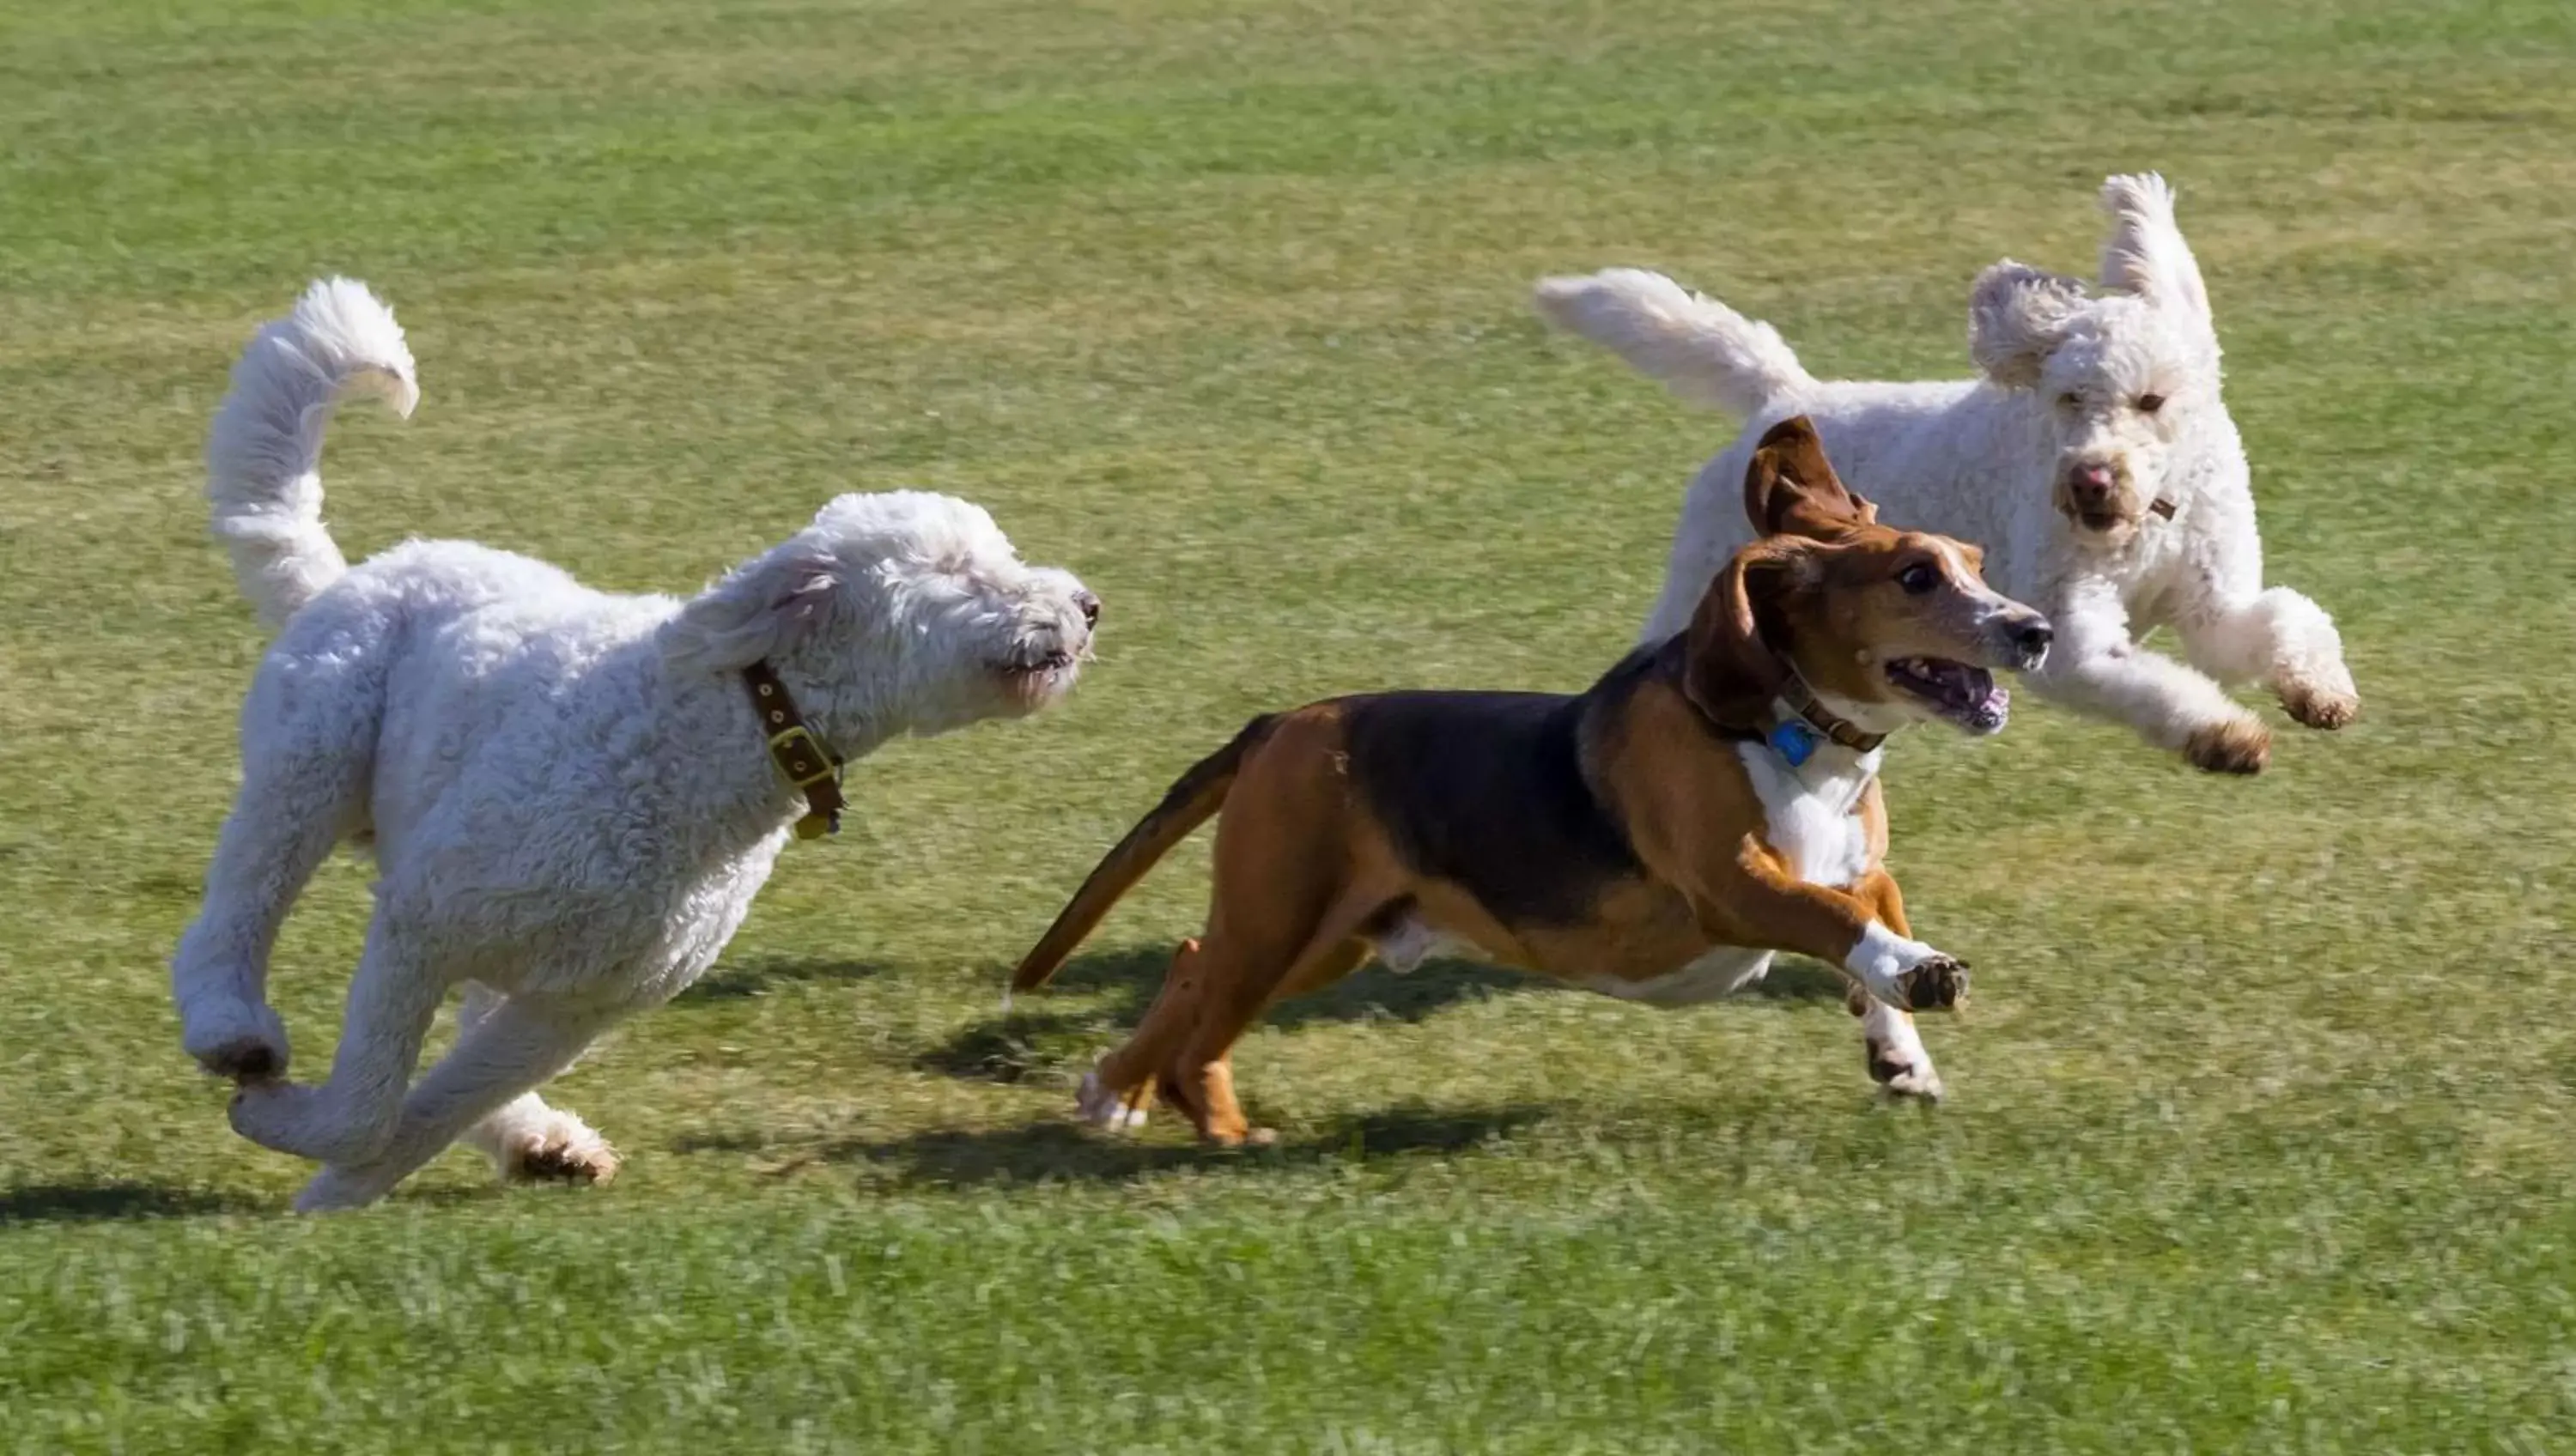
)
(2095, 462)
(570, 796)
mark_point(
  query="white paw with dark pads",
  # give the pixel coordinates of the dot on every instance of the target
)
(564, 1150)
(1107, 1110)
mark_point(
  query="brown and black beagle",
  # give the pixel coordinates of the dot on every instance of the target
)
(1709, 801)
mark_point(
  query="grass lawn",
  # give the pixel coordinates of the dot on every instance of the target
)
(2263, 1122)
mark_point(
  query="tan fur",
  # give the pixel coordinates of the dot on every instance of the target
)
(1305, 876)
(1184, 808)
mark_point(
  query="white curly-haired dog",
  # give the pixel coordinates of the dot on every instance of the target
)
(2095, 462)
(571, 796)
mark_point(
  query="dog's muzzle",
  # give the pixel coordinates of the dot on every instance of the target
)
(2029, 638)
(2096, 496)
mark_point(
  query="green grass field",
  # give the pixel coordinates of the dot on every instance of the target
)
(2261, 1131)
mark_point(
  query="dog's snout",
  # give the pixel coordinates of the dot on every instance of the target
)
(2031, 639)
(2092, 483)
(1089, 605)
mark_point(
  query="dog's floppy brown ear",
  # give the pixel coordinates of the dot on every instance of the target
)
(1790, 489)
(1728, 671)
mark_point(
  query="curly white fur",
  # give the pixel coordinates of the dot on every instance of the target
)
(2115, 394)
(567, 792)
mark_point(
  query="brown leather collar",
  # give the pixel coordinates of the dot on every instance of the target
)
(808, 762)
(1823, 719)
(2163, 506)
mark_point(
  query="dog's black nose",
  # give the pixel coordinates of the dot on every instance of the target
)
(1090, 606)
(2033, 638)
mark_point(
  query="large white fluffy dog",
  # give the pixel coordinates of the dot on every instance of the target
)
(2095, 462)
(570, 795)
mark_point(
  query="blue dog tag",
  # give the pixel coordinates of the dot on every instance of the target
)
(1793, 742)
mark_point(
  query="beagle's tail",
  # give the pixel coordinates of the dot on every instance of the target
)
(264, 453)
(1699, 348)
(1191, 801)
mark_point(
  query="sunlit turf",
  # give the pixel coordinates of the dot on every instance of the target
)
(2260, 1129)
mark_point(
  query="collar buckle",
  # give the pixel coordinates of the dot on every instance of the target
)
(802, 758)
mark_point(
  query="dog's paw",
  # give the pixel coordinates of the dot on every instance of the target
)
(1937, 983)
(564, 1149)
(2239, 746)
(243, 1043)
(1891, 1051)
(2320, 707)
(1901, 1075)
(1107, 1110)
(244, 1059)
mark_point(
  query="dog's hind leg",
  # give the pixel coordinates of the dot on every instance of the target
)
(1201, 1079)
(515, 1046)
(308, 741)
(1281, 906)
(392, 998)
(1255, 950)
(293, 807)
(219, 975)
(1115, 1092)
(528, 1141)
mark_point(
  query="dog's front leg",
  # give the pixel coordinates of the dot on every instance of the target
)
(2096, 668)
(2283, 641)
(1753, 900)
(1891, 1049)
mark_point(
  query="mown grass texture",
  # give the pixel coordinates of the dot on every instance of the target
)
(2259, 1130)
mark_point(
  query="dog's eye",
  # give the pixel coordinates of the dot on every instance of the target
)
(2150, 403)
(1918, 579)
(2070, 401)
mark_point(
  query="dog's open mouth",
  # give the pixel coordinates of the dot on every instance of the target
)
(1056, 661)
(1037, 675)
(1954, 691)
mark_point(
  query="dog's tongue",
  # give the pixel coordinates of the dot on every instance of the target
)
(1989, 713)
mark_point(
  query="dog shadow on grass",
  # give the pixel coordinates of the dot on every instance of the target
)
(1039, 1042)
(1062, 1152)
(29, 1204)
(1793, 980)
(1033, 1039)
(734, 983)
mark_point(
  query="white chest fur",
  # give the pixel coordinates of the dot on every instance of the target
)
(1811, 813)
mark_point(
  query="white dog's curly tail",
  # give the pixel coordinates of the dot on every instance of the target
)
(1699, 348)
(264, 454)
